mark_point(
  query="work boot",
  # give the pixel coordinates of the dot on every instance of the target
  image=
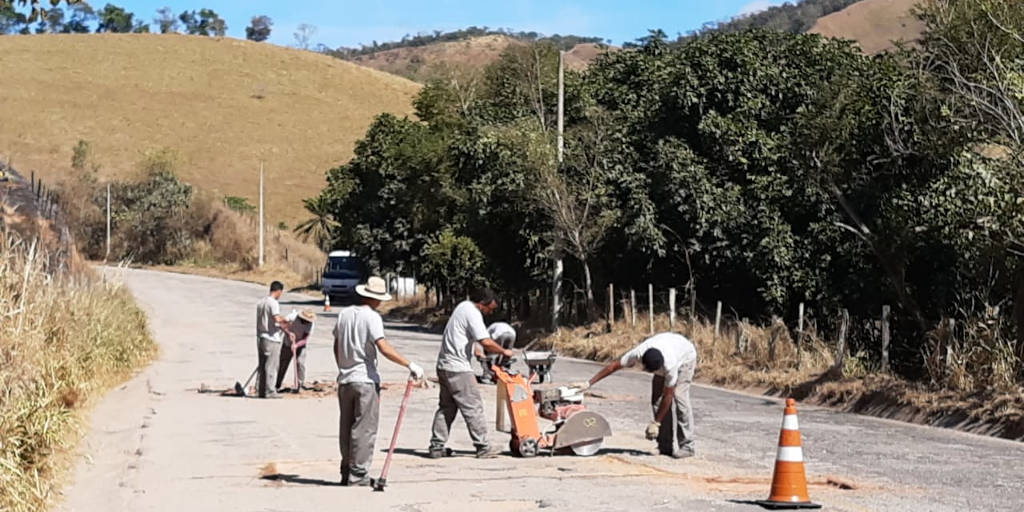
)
(273, 395)
(437, 453)
(486, 452)
(359, 482)
(684, 452)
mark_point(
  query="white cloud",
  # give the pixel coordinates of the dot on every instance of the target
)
(757, 6)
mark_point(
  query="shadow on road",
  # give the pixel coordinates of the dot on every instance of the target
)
(296, 479)
(424, 455)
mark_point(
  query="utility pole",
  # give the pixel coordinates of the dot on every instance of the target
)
(105, 258)
(261, 216)
(556, 283)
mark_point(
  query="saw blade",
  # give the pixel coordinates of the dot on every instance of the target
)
(587, 449)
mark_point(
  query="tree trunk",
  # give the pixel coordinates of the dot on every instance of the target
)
(588, 283)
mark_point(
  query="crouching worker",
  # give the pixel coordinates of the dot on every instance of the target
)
(358, 337)
(300, 325)
(672, 359)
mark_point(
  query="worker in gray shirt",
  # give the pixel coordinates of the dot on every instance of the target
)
(457, 383)
(270, 333)
(358, 336)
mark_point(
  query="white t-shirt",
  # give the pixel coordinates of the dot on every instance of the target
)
(465, 327)
(358, 329)
(266, 327)
(675, 348)
(500, 331)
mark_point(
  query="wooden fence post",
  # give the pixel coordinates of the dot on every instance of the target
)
(885, 338)
(773, 334)
(844, 324)
(671, 309)
(611, 306)
(800, 338)
(718, 320)
(625, 307)
(632, 307)
(650, 305)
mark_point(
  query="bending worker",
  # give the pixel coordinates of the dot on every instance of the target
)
(358, 337)
(456, 382)
(672, 359)
(300, 325)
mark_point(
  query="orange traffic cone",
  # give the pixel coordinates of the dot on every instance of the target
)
(789, 484)
(327, 302)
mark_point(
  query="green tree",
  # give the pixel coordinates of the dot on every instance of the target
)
(114, 19)
(204, 23)
(165, 21)
(452, 263)
(319, 228)
(81, 19)
(38, 9)
(259, 28)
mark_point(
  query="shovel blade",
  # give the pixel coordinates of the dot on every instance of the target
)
(378, 484)
(239, 389)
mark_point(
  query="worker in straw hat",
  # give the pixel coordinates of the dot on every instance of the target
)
(300, 325)
(672, 359)
(358, 337)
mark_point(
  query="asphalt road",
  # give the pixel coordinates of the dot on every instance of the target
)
(157, 444)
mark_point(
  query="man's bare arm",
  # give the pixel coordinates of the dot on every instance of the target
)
(490, 345)
(606, 371)
(667, 396)
(389, 352)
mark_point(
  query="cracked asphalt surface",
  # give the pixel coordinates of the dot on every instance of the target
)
(157, 444)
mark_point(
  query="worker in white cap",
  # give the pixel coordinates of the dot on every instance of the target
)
(358, 336)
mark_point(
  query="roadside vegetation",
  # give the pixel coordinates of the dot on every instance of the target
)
(157, 219)
(65, 338)
(761, 169)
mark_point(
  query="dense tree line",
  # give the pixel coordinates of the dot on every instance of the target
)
(81, 18)
(761, 168)
(565, 42)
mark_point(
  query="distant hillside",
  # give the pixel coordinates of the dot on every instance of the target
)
(795, 17)
(420, 63)
(223, 104)
(874, 24)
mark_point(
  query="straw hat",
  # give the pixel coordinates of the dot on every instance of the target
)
(375, 288)
(307, 315)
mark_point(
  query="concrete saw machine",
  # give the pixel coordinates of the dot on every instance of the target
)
(575, 429)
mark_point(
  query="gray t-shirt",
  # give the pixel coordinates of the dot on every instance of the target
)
(465, 327)
(675, 349)
(358, 329)
(502, 333)
(266, 327)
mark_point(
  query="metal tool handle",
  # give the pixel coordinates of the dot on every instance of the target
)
(379, 484)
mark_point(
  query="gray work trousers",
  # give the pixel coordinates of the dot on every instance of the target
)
(458, 393)
(269, 355)
(677, 426)
(286, 359)
(359, 407)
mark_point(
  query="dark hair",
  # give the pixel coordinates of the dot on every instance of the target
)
(482, 295)
(653, 360)
(276, 286)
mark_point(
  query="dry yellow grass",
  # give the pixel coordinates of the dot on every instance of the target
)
(223, 104)
(874, 24)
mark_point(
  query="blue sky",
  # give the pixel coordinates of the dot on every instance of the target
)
(349, 23)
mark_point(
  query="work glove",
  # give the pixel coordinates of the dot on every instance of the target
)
(415, 371)
(582, 386)
(652, 430)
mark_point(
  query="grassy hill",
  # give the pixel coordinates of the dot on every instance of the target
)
(874, 24)
(420, 62)
(223, 104)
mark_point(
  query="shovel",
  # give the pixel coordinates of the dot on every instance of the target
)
(239, 388)
(378, 484)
